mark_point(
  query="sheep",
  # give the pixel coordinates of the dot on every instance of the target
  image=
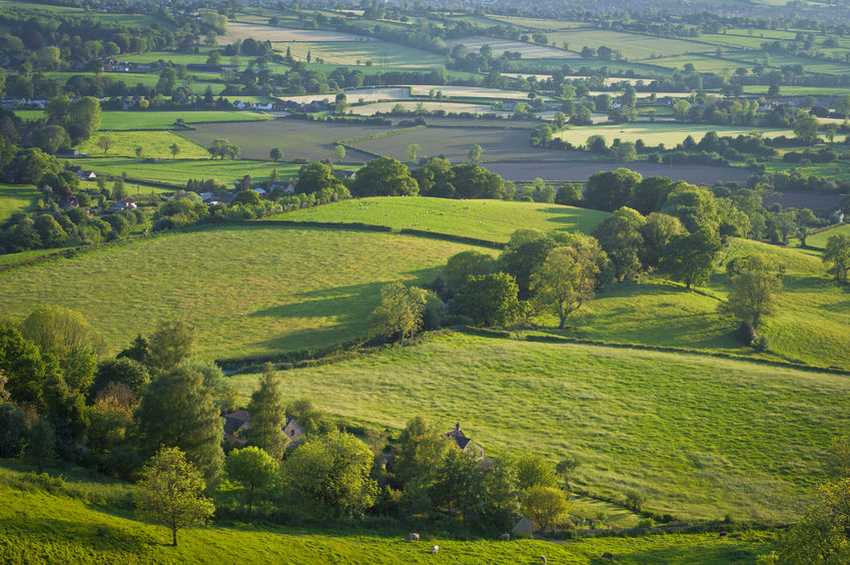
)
(413, 536)
(435, 550)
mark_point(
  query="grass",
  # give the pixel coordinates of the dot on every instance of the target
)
(820, 239)
(178, 171)
(492, 220)
(39, 526)
(154, 143)
(371, 109)
(698, 436)
(16, 198)
(156, 119)
(538, 23)
(809, 326)
(380, 53)
(670, 134)
(248, 289)
(499, 46)
(838, 171)
(132, 79)
(633, 46)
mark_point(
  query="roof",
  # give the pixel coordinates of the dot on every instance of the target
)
(235, 420)
(458, 436)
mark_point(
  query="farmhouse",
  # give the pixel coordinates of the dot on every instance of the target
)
(463, 442)
(236, 423)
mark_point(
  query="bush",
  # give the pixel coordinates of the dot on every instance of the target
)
(760, 344)
(634, 501)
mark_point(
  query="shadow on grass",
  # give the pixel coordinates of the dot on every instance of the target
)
(691, 554)
(98, 537)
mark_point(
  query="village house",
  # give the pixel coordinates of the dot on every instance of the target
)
(237, 423)
(463, 442)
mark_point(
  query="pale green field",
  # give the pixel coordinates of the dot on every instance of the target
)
(247, 290)
(670, 134)
(16, 198)
(380, 53)
(820, 239)
(698, 436)
(156, 119)
(491, 220)
(178, 171)
(538, 23)
(634, 46)
(499, 46)
(154, 143)
(411, 106)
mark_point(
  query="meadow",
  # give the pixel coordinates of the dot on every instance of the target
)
(538, 23)
(468, 92)
(259, 32)
(178, 171)
(410, 105)
(16, 198)
(499, 46)
(491, 220)
(700, 437)
(633, 46)
(819, 239)
(652, 134)
(283, 289)
(361, 50)
(355, 95)
(86, 519)
(155, 145)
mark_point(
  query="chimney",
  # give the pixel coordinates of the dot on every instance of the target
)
(457, 427)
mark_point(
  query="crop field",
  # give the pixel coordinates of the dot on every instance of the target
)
(809, 325)
(577, 170)
(427, 106)
(356, 95)
(492, 220)
(454, 144)
(652, 134)
(800, 91)
(15, 198)
(63, 526)
(633, 46)
(259, 32)
(499, 46)
(379, 53)
(155, 145)
(297, 288)
(298, 139)
(820, 239)
(667, 425)
(178, 171)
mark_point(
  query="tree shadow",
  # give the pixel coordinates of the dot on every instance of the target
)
(98, 537)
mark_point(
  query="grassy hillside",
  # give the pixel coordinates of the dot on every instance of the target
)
(248, 290)
(809, 326)
(819, 239)
(60, 526)
(15, 198)
(493, 220)
(699, 436)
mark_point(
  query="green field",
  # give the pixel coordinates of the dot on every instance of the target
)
(810, 324)
(68, 11)
(633, 46)
(652, 134)
(538, 23)
(89, 520)
(247, 289)
(178, 171)
(838, 171)
(154, 143)
(156, 119)
(16, 198)
(819, 239)
(492, 220)
(132, 79)
(699, 436)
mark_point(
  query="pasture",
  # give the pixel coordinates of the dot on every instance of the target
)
(468, 92)
(117, 120)
(652, 134)
(154, 144)
(538, 23)
(248, 290)
(527, 50)
(63, 525)
(298, 139)
(377, 52)
(355, 95)
(16, 198)
(492, 220)
(239, 31)
(819, 239)
(633, 46)
(178, 171)
(667, 425)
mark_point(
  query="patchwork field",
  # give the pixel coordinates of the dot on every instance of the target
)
(239, 31)
(578, 170)
(652, 134)
(537, 23)
(378, 53)
(669, 426)
(297, 288)
(157, 119)
(154, 144)
(16, 198)
(355, 95)
(492, 220)
(65, 526)
(468, 92)
(298, 139)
